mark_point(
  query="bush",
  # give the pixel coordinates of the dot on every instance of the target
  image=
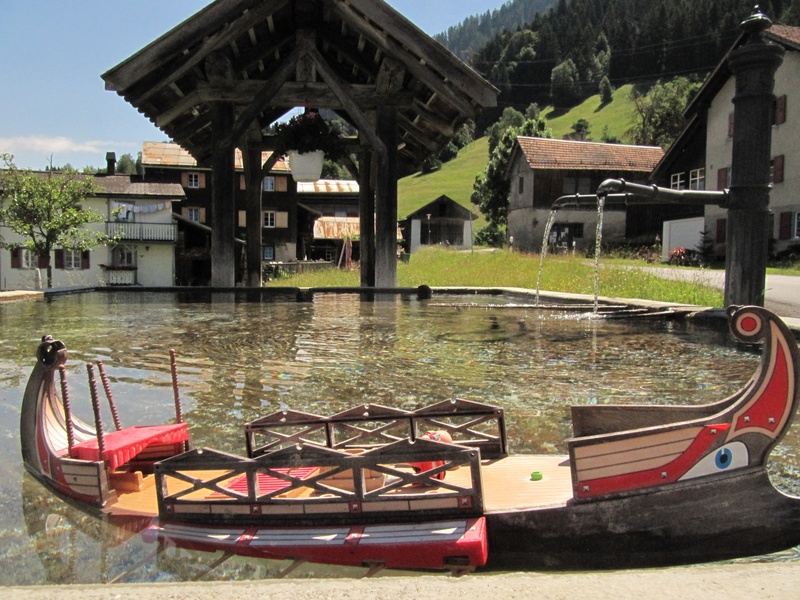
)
(647, 252)
(491, 236)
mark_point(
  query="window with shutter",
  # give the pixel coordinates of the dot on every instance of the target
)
(722, 178)
(776, 169)
(780, 110)
(282, 220)
(72, 259)
(16, 258)
(785, 226)
(86, 261)
(59, 258)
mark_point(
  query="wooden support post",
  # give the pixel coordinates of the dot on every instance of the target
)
(386, 203)
(366, 211)
(754, 65)
(251, 155)
(223, 205)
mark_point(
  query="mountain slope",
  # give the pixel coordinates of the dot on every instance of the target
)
(474, 32)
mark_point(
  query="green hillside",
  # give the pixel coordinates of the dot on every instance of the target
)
(617, 115)
(456, 177)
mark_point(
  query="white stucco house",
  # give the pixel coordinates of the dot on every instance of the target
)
(137, 215)
(701, 157)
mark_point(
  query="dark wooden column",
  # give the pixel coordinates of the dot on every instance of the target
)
(754, 65)
(366, 211)
(251, 156)
(386, 202)
(223, 203)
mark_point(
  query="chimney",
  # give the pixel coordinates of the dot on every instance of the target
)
(111, 163)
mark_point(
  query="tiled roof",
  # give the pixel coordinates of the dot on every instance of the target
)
(545, 153)
(785, 33)
(328, 186)
(172, 155)
(121, 185)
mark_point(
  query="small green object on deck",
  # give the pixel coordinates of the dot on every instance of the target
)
(536, 476)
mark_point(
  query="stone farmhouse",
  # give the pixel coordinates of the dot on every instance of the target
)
(541, 170)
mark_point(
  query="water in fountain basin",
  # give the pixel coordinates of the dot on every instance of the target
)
(238, 361)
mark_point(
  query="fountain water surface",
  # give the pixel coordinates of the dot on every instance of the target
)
(240, 360)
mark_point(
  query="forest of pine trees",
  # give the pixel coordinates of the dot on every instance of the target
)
(579, 47)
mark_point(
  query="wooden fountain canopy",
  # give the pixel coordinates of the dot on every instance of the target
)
(220, 78)
(268, 56)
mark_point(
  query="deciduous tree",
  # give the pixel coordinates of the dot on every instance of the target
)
(659, 112)
(491, 190)
(45, 210)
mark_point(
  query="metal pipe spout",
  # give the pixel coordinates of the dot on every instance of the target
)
(652, 194)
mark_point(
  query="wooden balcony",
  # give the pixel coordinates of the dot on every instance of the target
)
(119, 275)
(142, 232)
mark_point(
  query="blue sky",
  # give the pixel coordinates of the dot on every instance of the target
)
(53, 101)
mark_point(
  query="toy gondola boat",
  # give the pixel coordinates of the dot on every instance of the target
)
(436, 488)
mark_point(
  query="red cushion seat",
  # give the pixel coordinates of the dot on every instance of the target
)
(124, 445)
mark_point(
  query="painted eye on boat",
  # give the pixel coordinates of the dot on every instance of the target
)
(723, 458)
(730, 456)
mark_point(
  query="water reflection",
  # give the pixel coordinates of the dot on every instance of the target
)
(241, 360)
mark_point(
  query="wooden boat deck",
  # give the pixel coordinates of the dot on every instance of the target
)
(507, 485)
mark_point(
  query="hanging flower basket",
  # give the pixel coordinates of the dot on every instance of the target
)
(307, 137)
(306, 166)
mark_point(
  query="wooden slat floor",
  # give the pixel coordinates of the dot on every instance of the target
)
(507, 485)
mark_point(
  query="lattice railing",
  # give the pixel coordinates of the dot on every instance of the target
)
(312, 484)
(469, 424)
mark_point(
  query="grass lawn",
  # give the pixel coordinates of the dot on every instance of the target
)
(570, 274)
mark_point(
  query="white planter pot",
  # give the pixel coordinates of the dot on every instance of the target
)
(306, 166)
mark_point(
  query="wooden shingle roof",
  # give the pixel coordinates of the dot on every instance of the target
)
(167, 154)
(269, 56)
(545, 153)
